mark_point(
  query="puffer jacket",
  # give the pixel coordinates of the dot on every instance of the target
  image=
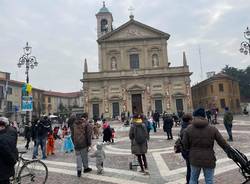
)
(8, 153)
(198, 139)
(135, 147)
(81, 134)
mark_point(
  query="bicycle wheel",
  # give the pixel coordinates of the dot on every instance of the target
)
(34, 171)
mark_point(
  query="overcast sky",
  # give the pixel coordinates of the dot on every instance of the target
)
(63, 32)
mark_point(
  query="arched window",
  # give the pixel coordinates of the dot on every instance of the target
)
(104, 25)
(155, 60)
(113, 63)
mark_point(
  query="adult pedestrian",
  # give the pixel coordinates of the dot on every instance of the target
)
(41, 129)
(81, 134)
(198, 139)
(186, 121)
(167, 126)
(27, 135)
(209, 114)
(228, 123)
(139, 142)
(176, 119)
(8, 151)
(156, 118)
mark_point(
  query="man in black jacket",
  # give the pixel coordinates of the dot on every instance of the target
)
(8, 151)
(41, 130)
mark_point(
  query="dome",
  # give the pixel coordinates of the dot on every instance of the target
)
(104, 9)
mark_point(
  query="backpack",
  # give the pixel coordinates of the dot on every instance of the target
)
(140, 134)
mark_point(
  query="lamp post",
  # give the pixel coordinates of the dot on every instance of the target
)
(29, 62)
(245, 46)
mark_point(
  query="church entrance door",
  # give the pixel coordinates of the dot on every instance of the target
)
(136, 103)
(158, 106)
(96, 113)
(179, 105)
(116, 110)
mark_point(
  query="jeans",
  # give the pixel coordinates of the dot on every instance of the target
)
(195, 173)
(154, 126)
(82, 159)
(229, 130)
(42, 143)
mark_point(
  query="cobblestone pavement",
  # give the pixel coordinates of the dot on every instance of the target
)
(165, 166)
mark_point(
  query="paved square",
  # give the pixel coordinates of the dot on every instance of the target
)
(164, 165)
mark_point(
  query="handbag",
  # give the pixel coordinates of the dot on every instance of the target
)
(178, 146)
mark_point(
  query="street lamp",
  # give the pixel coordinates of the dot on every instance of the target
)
(245, 46)
(29, 62)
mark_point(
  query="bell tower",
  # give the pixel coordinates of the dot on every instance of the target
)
(104, 21)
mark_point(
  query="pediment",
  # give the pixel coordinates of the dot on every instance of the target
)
(133, 30)
(136, 88)
(115, 97)
(179, 94)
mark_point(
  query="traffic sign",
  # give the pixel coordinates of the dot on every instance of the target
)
(27, 103)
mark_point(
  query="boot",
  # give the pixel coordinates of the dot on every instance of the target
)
(79, 174)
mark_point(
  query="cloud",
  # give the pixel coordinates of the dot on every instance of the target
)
(63, 33)
(212, 15)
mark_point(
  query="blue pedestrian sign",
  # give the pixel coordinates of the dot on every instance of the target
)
(27, 103)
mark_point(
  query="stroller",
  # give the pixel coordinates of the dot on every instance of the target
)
(241, 160)
(133, 164)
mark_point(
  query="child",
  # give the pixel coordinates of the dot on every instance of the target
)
(113, 135)
(68, 145)
(107, 133)
(50, 144)
(96, 130)
(100, 156)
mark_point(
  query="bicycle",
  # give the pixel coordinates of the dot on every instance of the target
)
(29, 171)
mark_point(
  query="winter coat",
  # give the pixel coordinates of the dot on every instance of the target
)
(228, 118)
(27, 132)
(156, 116)
(99, 154)
(199, 139)
(184, 125)
(107, 134)
(81, 134)
(135, 147)
(41, 129)
(167, 124)
(8, 153)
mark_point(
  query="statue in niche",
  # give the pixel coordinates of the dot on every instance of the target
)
(155, 60)
(113, 63)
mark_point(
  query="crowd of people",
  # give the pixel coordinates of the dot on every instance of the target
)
(197, 136)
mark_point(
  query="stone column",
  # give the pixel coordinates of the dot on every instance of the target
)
(167, 94)
(189, 98)
(105, 100)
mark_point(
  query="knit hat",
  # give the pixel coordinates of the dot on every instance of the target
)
(4, 121)
(199, 112)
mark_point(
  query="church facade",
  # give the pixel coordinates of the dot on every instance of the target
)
(134, 75)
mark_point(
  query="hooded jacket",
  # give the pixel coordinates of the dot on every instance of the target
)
(198, 139)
